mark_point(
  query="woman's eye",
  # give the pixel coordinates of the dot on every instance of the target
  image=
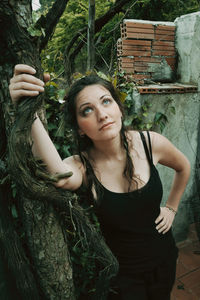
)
(86, 111)
(106, 101)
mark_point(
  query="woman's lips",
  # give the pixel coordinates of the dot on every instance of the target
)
(106, 125)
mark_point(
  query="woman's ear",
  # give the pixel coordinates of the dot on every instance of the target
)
(81, 133)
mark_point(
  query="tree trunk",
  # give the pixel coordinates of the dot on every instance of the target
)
(39, 261)
(90, 39)
(38, 271)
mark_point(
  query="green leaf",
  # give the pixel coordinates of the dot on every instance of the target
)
(51, 83)
(128, 120)
(122, 96)
(51, 126)
(173, 110)
(66, 150)
(158, 117)
(14, 211)
(114, 81)
(162, 126)
(149, 126)
(43, 32)
(102, 75)
(33, 31)
(61, 94)
(14, 190)
(57, 146)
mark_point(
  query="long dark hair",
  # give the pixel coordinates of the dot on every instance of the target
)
(84, 144)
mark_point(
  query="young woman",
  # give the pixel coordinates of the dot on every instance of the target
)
(118, 167)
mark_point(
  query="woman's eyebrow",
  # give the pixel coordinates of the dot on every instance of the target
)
(104, 96)
(88, 103)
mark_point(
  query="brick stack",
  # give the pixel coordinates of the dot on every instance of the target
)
(146, 50)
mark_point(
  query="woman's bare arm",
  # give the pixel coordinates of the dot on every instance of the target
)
(168, 155)
(24, 83)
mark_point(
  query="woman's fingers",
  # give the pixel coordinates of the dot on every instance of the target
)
(46, 77)
(164, 220)
(27, 86)
(159, 218)
(20, 68)
(164, 225)
(24, 84)
(24, 89)
(23, 93)
(26, 78)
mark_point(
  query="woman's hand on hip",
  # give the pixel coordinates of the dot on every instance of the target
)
(24, 83)
(164, 220)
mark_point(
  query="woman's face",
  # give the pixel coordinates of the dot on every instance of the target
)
(98, 114)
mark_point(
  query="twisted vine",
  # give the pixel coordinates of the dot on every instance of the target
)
(34, 181)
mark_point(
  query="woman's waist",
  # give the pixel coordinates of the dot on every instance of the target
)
(129, 230)
(139, 243)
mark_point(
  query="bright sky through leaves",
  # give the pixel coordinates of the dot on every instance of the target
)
(36, 4)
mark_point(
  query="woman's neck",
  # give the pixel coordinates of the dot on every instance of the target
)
(107, 150)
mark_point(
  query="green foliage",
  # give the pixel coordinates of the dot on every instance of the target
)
(160, 119)
(140, 118)
(54, 102)
(75, 18)
(85, 270)
(85, 263)
(162, 10)
(35, 32)
(134, 118)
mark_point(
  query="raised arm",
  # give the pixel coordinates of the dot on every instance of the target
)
(168, 155)
(24, 83)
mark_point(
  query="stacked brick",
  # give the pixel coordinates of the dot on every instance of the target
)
(146, 50)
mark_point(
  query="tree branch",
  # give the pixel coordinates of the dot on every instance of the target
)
(49, 22)
(99, 23)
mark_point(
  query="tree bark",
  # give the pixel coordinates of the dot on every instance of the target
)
(90, 38)
(48, 23)
(39, 261)
(37, 268)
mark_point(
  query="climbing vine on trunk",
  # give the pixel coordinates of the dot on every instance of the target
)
(40, 261)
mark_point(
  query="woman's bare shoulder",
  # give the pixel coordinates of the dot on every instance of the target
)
(73, 160)
(135, 142)
(135, 134)
(135, 137)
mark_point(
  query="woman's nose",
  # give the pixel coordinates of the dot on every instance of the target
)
(101, 114)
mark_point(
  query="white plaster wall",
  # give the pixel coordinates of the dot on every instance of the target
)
(181, 130)
(188, 47)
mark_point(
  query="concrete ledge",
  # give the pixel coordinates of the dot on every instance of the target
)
(174, 88)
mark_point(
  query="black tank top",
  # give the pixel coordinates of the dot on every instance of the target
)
(127, 222)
